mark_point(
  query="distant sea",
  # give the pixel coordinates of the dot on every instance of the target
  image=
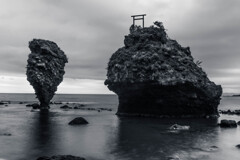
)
(95, 98)
(25, 134)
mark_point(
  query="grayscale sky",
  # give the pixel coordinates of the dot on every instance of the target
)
(89, 31)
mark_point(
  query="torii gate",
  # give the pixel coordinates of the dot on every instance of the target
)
(136, 17)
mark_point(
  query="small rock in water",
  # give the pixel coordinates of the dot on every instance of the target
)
(57, 103)
(65, 107)
(238, 146)
(32, 110)
(76, 106)
(5, 134)
(34, 105)
(228, 123)
(234, 112)
(179, 127)
(28, 105)
(78, 121)
(61, 157)
(238, 122)
(212, 148)
(150, 63)
(173, 158)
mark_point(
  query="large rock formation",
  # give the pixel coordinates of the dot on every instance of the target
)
(45, 69)
(155, 76)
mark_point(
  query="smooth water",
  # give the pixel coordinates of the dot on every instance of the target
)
(108, 137)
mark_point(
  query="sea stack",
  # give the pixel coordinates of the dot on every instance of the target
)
(45, 69)
(153, 75)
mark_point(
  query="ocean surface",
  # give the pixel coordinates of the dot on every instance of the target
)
(26, 135)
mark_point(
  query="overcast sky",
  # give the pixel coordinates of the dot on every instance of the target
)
(89, 31)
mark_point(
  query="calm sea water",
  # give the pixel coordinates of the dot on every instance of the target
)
(108, 137)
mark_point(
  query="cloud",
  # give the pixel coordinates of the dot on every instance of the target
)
(89, 31)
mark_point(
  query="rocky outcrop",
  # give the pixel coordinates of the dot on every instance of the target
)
(45, 69)
(153, 75)
(34, 105)
(65, 107)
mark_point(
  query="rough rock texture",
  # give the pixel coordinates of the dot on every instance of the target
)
(155, 76)
(45, 69)
(61, 157)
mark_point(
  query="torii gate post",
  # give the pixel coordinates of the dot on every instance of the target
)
(136, 17)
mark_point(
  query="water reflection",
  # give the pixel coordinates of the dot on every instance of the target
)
(42, 136)
(139, 138)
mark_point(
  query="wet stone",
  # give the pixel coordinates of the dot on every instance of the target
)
(78, 121)
(45, 69)
(228, 123)
(61, 157)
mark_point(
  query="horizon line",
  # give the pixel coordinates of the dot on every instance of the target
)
(65, 93)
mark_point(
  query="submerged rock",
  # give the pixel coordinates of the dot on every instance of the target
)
(179, 127)
(228, 123)
(61, 157)
(5, 134)
(45, 69)
(78, 121)
(154, 75)
(34, 105)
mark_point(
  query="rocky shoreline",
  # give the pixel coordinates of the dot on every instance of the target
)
(171, 127)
